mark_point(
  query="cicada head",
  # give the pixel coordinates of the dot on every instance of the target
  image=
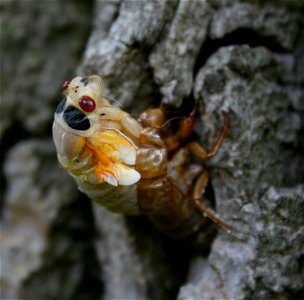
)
(78, 112)
(76, 117)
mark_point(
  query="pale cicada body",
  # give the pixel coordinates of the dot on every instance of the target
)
(96, 144)
(133, 166)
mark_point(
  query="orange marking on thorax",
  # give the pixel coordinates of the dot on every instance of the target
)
(103, 159)
(102, 148)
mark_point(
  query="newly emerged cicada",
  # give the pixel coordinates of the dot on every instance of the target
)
(133, 166)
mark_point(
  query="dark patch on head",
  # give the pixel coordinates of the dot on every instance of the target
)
(84, 81)
(76, 119)
(60, 106)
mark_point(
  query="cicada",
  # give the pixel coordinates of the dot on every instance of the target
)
(134, 166)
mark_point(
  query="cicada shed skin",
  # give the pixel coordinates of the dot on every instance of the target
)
(133, 166)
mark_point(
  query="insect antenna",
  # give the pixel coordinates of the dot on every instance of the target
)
(113, 100)
(170, 120)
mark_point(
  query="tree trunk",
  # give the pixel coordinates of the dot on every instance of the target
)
(244, 57)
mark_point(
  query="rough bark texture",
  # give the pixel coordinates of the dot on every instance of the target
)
(245, 57)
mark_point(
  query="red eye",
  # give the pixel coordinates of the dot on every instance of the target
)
(87, 103)
(65, 85)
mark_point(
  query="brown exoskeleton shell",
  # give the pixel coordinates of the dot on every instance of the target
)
(133, 166)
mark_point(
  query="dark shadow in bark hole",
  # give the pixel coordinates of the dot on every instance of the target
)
(147, 96)
(11, 137)
(240, 36)
(166, 261)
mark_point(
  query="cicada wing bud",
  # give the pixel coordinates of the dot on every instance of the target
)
(69, 146)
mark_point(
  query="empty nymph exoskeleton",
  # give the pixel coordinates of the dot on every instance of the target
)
(133, 166)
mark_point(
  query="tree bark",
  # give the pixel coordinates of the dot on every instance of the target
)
(244, 57)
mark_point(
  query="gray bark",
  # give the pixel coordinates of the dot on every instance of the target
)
(245, 57)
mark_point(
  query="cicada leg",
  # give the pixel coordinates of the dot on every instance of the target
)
(185, 128)
(186, 125)
(202, 153)
(197, 192)
(203, 179)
